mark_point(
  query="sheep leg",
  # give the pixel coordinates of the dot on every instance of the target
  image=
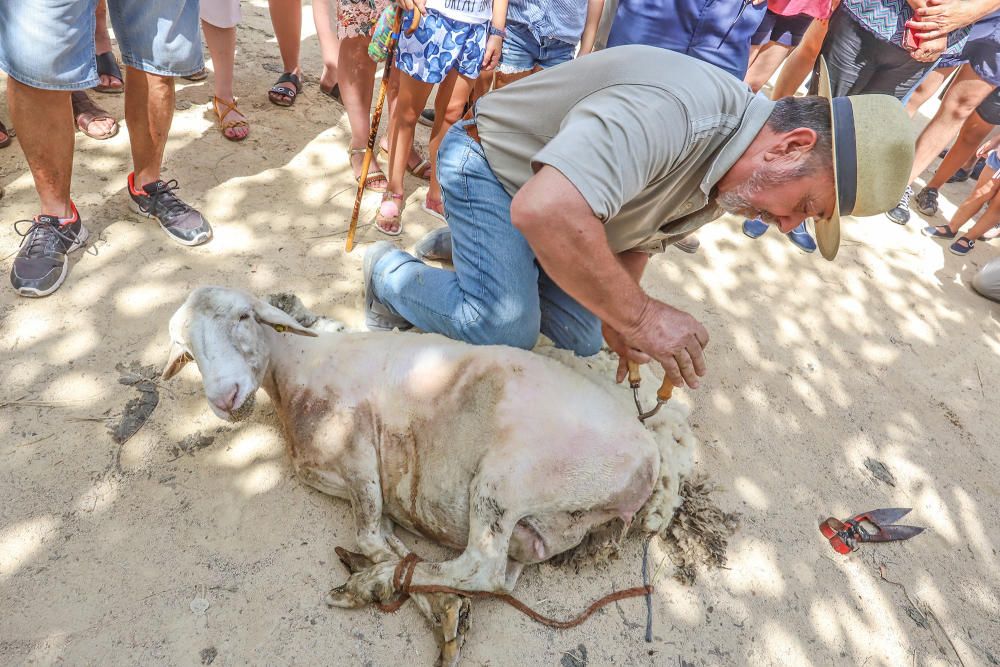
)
(448, 614)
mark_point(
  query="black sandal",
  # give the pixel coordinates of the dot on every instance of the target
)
(278, 91)
(9, 134)
(108, 66)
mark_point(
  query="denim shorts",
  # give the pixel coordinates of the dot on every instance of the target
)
(49, 44)
(993, 161)
(439, 45)
(522, 51)
(981, 51)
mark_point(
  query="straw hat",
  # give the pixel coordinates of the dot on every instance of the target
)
(872, 155)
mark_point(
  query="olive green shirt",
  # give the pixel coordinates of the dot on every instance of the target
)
(643, 133)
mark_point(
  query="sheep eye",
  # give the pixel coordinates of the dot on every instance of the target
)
(244, 317)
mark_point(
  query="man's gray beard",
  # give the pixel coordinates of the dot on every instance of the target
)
(737, 201)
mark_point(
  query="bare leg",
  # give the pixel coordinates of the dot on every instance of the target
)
(410, 101)
(990, 217)
(221, 44)
(149, 110)
(286, 19)
(329, 43)
(768, 59)
(984, 191)
(392, 95)
(44, 122)
(926, 89)
(962, 98)
(503, 79)
(357, 76)
(102, 40)
(799, 63)
(449, 105)
(973, 134)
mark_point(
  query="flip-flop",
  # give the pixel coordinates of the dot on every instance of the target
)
(8, 135)
(108, 66)
(85, 112)
(284, 91)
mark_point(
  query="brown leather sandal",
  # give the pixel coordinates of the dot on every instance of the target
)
(231, 124)
(85, 112)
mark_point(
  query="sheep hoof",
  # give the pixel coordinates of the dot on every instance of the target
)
(343, 598)
(452, 612)
(354, 562)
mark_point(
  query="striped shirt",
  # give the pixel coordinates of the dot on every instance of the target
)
(556, 19)
(886, 19)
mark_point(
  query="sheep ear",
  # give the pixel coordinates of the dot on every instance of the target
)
(279, 320)
(176, 361)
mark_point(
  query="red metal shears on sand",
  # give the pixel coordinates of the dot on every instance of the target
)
(873, 526)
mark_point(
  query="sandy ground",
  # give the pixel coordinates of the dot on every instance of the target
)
(108, 553)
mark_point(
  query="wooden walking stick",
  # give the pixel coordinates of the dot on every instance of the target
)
(376, 119)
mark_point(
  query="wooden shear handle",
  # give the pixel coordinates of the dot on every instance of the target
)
(665, 391)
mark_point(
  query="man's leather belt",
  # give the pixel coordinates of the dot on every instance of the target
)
(470, 127)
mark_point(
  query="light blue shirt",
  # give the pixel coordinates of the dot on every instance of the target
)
(556, 19)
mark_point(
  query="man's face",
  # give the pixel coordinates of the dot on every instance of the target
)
(782, 195)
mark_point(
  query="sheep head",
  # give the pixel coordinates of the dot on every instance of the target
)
(223, 331)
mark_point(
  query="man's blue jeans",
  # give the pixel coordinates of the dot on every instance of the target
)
(497, 294)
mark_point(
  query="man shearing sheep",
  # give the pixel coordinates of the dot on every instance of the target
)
(558, 188)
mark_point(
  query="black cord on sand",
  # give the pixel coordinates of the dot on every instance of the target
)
(649, 595)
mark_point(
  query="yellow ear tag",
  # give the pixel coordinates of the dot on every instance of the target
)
(280, 328)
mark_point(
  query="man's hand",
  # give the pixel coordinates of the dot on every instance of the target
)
(673, 338)
(930, 49)
(494, 47)
(941, 17)
(625, 353)
(412, 4)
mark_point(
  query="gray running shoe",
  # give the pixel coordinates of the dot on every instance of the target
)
(179, 220)
(926, 201)
(377, 316)
(901, 213)
(41, 264)
(435, 246)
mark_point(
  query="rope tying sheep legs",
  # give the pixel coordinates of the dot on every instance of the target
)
(403, 576)
(663, 394)
(377, 118)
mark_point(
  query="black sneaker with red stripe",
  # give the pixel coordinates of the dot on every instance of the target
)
(41, 264)
(179, 220)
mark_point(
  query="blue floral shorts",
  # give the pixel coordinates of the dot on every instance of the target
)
(439, 45)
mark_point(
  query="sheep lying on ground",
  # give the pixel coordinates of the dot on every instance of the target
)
(507, 455)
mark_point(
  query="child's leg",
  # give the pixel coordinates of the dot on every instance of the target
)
(984, 191)
(973, 134)
(769, 58)
(926, 89)
(990, 217)
(448, 109)
(799, 63)
(410, 102)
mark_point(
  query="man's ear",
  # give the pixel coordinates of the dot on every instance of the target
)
(792, 144)
(175, 361)
(279, 320)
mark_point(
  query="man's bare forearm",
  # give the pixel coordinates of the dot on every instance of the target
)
(580, 261)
